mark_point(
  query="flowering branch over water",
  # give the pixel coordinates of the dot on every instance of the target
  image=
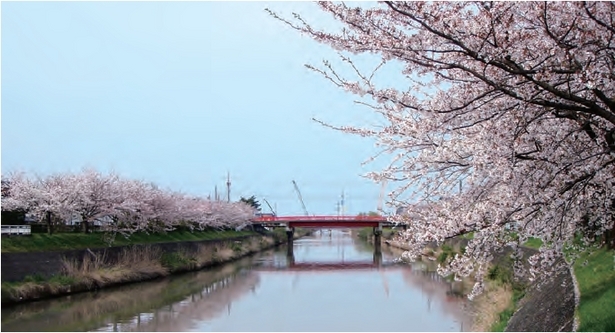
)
(507, 129)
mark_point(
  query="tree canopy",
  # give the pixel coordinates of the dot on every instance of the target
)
(252, 202)
(120, 205)
(505, 121)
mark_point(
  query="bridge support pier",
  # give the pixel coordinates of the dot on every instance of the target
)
(290, 255)
(290, 233)
(378, 239)
(377, 257)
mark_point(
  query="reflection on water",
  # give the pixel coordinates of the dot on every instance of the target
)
(210, 302)
(133, 307)
(326, 282)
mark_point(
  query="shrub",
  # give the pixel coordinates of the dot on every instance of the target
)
(176, 260)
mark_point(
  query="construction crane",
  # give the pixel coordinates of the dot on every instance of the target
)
(300, 198)
(270, 208)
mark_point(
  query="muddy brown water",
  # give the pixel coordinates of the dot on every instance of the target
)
(328, 281)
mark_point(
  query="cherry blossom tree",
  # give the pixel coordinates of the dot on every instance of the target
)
(128, 209)
(504, 119)
(96, 196)
(122, 206)
(48, 199)
(15, 215)
(202, 213)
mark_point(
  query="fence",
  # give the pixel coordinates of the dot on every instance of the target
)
(10, 230)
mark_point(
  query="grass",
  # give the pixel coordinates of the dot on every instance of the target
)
(597, 287)
(177, 260)
(505, 315)
(595, 273)
(35, 285)
(469, 235)
(133, 264)
(447, 251)
(502, 276)
(367, 232)
(364, 233)
(490, 306)
(534, 243)
(72, 241)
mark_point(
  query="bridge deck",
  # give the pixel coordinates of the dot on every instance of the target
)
(323, 221)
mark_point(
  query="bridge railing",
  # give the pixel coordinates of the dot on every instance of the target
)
(324, 218)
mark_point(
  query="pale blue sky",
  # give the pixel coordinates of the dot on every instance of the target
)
(179, 93)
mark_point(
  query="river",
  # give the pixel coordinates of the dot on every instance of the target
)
(329, 281)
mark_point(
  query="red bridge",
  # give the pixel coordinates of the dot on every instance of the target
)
(323, 221)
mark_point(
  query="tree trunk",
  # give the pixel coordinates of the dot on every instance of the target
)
(49, 225)
(610, 234)
(610, 238)
(85, 225)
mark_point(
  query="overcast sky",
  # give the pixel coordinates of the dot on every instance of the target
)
(179, 93)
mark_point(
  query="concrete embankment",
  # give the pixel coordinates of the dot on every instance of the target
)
(68, 272)
(17, 266)
(547, 305)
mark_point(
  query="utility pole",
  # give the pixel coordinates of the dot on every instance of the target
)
(216, 193)
(228, 186)
(342, 202)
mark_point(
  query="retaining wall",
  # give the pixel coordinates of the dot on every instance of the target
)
(16, 266)
(546, 307)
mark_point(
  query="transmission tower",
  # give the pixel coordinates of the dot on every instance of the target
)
(228, 186)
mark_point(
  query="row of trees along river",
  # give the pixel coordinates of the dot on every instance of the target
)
(115, 204)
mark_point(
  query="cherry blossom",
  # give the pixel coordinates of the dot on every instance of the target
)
(503, 124)
(118, 205)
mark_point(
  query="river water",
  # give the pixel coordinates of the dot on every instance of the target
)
(329, 281)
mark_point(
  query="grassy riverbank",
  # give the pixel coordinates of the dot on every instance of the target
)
(139, 262)
(78, 241)
(367, 233)
(504, 293)
(135, 263)
(595, 274)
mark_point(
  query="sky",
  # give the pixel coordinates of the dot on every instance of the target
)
(180, 94)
